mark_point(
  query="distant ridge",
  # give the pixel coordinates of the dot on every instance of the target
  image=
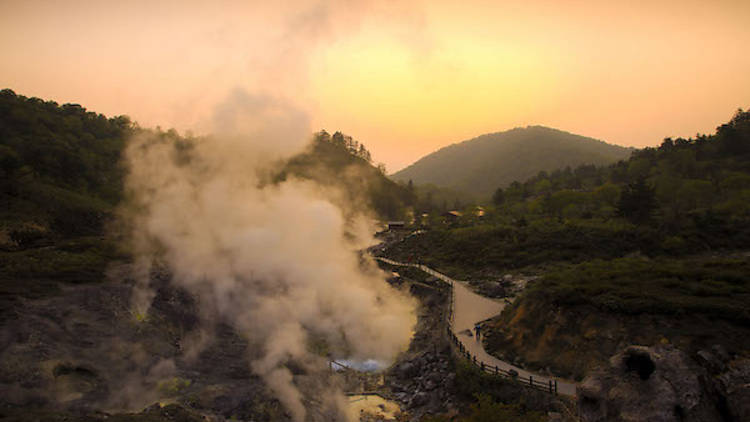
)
(483, 164)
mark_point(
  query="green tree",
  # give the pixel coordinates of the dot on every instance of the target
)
(498, 198)
(637, 202)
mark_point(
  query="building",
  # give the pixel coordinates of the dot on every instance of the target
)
(452, 216)
(396, 225)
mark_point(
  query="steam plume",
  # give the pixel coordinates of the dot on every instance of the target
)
(274, 260)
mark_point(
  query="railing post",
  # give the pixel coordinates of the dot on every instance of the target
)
(531, 380)
(495, 369)
(555, 386)
(550, 386)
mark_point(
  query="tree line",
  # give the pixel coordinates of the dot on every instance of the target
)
(681, 177)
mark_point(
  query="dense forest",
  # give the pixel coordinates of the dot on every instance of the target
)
(60, 166)
(61, 181)
(685, 196)
(666, 183)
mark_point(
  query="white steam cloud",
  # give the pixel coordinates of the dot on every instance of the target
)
(276, 261)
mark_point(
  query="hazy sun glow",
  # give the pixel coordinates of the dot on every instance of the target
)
(405, 78)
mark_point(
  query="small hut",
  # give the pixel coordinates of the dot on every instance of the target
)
(452, 216)
(396, 225)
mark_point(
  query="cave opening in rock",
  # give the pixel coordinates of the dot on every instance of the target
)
(641, 363)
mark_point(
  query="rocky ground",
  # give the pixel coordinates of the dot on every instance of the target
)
(423, 379)
(83, 353)
(500, 286)
(663, 384)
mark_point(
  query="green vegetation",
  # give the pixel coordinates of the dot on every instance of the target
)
(714, 287)
(433, 199)
(679, 180)
(478, 166)
(495, 399)
(651, 249)
(62, 179)
(60, 166)
(684, 198)
(342, 162)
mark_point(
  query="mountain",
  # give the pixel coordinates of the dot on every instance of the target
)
(483, 164)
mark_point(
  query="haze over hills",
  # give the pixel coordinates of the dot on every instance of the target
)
(483, 164)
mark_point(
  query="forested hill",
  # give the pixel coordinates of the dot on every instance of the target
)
(483, 164)
(61, 174)
(59, 167)
(339, 160)
(681, 179)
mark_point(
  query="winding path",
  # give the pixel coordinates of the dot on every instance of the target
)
(470, 308)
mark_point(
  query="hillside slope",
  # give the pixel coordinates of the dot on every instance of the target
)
(483, 164)
(340, 161)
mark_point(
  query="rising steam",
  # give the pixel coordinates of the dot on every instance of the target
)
(276, 261)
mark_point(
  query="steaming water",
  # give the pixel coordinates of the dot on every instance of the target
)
(369, 365)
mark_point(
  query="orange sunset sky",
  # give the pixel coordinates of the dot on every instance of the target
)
(404, 78)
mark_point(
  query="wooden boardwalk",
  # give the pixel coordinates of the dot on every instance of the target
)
(468, 308)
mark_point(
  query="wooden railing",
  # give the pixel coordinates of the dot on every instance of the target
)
(549, 386)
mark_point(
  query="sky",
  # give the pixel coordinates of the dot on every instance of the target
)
(404, 78)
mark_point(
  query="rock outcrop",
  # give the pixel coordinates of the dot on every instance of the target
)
(655, 384)
(663, 384)
(423, 380)
(730, 381)
(424, 383)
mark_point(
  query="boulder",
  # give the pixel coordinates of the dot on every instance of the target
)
(658, 384)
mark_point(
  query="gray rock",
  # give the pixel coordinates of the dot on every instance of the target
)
(710, 361)
(721, 352)
(656, 384)
(419, 399)
(734, 387)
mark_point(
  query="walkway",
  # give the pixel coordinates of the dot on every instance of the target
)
(470, 308)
